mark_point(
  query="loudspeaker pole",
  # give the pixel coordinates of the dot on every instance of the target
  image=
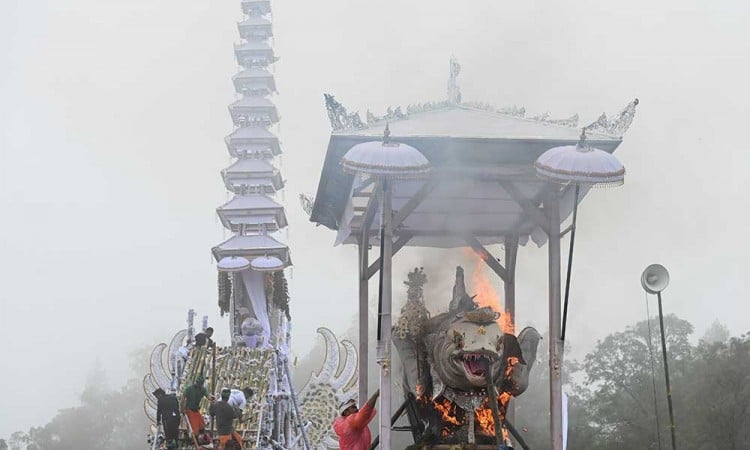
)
(666, 373)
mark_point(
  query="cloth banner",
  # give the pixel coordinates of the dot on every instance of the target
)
(256, 290)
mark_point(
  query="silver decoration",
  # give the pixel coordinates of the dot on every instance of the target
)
(391, 114)
(324, 391)
(571, 121)
(427, 106)
(470, 401)
(513, 110)
(342, 120)
(339, 117)
(307, 202)
(617, 126)
(454, 92)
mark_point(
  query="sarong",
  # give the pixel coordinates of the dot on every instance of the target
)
(197, 424)
(224, 438)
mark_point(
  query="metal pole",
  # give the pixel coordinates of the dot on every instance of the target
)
(666, 373)
(363, 317)
(570, 261)
(384, 319)
(552, 207)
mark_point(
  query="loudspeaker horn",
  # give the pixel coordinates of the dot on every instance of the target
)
(655, 278)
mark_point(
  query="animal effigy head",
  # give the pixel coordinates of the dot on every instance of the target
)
(468, 346)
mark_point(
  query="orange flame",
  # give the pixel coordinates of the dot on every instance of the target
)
(486, 293)
(484, 419)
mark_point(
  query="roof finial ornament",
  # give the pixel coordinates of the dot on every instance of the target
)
(582, 146)
(454, 92)
(386, 134)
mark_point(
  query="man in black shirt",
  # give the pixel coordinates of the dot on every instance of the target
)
(225, 415)
(168, 412)
(204, 338)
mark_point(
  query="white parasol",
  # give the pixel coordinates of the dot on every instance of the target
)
(233, 264)
(578, 164)
(267, 264)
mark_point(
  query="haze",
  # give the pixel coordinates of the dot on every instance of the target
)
(112, 116)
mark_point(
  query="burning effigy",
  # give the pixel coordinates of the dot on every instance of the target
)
(461, 366)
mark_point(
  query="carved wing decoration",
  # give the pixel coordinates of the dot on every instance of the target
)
(335, 382)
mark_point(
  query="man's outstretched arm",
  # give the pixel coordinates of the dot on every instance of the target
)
(364, 415)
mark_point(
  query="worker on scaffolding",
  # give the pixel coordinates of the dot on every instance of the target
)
(204, 338)
(191, 401)
(352, 425)
(224, 413)
(168, 414)
(238, 398)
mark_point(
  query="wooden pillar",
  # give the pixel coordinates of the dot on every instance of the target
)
(511, 251)
(364, 316)
(552, 209)
(509, 285)
(385, 317)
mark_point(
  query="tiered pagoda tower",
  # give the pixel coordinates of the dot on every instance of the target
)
(252, 215)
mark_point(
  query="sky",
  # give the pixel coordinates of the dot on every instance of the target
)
(113, 113)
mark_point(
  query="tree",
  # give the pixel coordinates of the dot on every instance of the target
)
(716, 333)
(716, 409)
(106, 418)
(619, 375)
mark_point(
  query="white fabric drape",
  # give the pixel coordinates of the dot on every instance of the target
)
(256, 290)
(345, 228)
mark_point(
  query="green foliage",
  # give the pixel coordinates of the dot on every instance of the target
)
(106, 418)
(281, 293)
(612, 406)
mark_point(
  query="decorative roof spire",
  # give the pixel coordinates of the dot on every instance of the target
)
(386, 134)
(454, 92)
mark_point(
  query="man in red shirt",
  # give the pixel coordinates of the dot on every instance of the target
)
(351, 426)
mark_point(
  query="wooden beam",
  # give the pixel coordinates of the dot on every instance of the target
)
(413, 202)
(364, 186)
(398, 245)
(487, 257)
(529, 208)
(413, 232)
(372, 207)
(566, 231)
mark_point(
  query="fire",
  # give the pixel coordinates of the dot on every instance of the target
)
(486, 293)
(485, 421)
(447, 410)
(512, 361)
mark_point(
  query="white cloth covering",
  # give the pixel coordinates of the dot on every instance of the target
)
(256, 290)
(237, 399)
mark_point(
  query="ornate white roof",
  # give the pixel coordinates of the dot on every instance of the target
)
(254, 54)
(458, 121)
(482, 183)
(251, 246)
(255, 7)
(254, 81)
(241, 206)
(252, 138)
(255, 27)
(258, 110)
(252, 173)
(246, 185)
(254, 166)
